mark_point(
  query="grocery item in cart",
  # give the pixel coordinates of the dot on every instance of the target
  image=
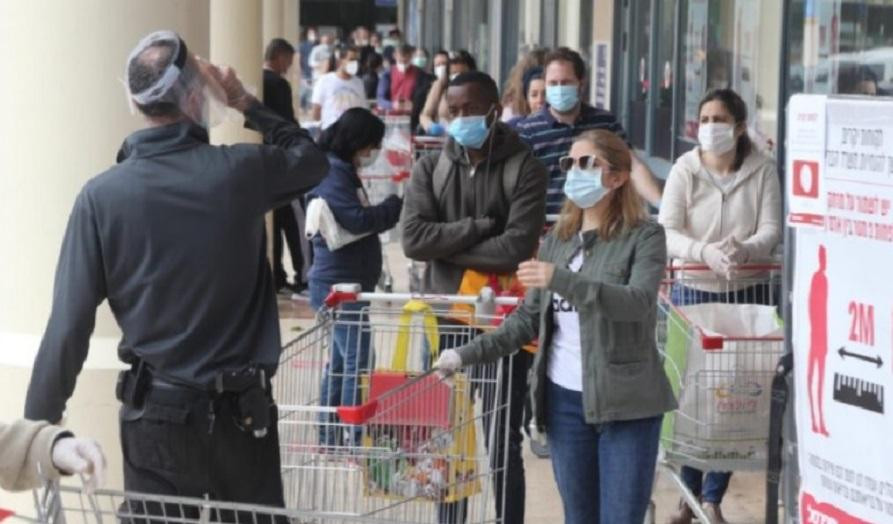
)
(422, 428)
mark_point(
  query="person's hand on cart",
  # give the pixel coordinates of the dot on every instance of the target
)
(735, 250)
(448, 363)
(716, 259)
(80, 456)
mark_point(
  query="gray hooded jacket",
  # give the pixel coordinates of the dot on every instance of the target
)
(470, 223)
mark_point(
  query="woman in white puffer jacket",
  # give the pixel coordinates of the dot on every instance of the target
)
(721, 207)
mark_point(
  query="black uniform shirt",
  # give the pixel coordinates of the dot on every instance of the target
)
(173, 237)
(277, 95)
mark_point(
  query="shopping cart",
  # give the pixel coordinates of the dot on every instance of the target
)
(386, 176)
(412, 445)
(56, 504)
(424, 146)
(721, 340)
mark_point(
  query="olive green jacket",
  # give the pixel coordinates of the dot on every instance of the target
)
(615, 293)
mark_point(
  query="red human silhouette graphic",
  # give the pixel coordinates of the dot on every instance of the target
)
(818, 344)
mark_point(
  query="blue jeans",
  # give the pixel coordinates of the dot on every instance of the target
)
(604, 472)
(713, 486)
(765, 294)
(348, 360)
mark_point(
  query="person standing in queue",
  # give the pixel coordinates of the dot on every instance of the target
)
(473, 213)
(598, 383)
(336, 92)
(278, 59)
(551, 131)
(173, 237)
(353, 142)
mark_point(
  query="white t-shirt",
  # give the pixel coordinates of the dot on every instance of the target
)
(335, 96)
(565, 364)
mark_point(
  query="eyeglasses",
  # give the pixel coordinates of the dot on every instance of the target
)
(586, 162)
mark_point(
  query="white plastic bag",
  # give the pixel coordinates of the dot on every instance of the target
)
(321, 220)
(724, 393)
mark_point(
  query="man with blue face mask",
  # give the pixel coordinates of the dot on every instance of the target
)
(551, 131)
(478, 209)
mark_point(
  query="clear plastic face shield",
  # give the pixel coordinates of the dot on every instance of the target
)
(185, 79)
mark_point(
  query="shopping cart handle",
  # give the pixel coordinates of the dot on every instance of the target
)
(357, 415)
(342, 293)
(400, 176)
(711, 342)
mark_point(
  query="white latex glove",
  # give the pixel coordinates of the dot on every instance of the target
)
(717, 260)
(734, 250)
(448, 363)
(80, 456)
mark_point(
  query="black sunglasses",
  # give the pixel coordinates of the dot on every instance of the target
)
(586, 162)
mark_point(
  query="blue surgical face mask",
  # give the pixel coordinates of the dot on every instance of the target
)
(469, 131)
(584, 187)
(563, 98)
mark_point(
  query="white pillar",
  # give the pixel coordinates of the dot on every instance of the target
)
(291, 21)
(273, 13)
(63, 122)
(236, 41)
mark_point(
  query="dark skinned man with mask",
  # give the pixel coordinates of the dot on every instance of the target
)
(477, 211)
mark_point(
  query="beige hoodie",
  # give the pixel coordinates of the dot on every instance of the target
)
(26, 450)
(695, 212)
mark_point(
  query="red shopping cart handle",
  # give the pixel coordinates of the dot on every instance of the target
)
(711, 342)
(357, 415)
(342, 293)
(400, 176)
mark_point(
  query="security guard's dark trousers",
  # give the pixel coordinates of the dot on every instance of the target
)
(173, 446)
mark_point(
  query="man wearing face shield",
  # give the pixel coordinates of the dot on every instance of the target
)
(173, 237)
(474, 213)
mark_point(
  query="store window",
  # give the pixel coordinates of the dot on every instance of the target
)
(730, 44)
(839, 47)
(662, 70)
(471, 30)
(674, 51)
(638, 73)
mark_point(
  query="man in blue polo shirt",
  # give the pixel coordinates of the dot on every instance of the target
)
(551, 131)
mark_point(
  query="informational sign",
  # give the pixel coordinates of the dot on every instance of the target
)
(843, 314)
(805, 161)
(859, 169)
(695, 64)
(840, 164)
(601, 74)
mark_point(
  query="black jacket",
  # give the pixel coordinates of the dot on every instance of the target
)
(277, 95)
(173, 237)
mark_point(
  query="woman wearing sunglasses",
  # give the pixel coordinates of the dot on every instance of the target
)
(599, 389)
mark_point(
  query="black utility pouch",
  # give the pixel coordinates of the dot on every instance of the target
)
(132, 386)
